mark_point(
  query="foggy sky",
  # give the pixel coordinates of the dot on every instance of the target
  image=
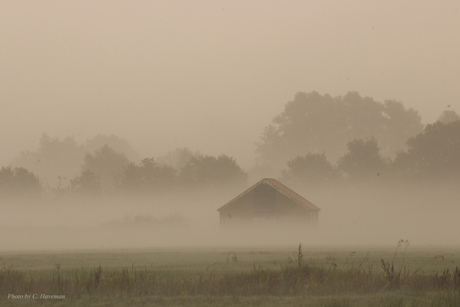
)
(210, 75)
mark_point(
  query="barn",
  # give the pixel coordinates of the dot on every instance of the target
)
(268, 202)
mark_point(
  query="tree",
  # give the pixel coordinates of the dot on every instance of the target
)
(147, 177)
(314, 123)
(311, 169)
(107, 165)
(54, 158)
(433, 154)
(399, 125)
(212, 172)
(87, 184)
(300, 128)
(18, 182)
(118, 144)
(177, 158)
(57, 160)
(362, 161)
(448, 116)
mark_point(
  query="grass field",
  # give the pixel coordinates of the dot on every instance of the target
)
(238, 276)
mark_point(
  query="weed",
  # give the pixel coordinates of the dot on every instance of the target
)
(393, 276)
(390, 274)
(297, 278)
(299, 255)
(435, 258)
(231, 257)
(456, 278)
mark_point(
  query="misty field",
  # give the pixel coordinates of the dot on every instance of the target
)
(261, 276)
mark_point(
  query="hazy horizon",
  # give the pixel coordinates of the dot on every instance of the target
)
(210, 75)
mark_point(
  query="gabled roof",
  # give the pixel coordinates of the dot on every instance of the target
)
(281, 188)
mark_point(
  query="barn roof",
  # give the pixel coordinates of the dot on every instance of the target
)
(281, 188)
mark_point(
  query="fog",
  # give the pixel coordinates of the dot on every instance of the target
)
(210, 76)
(367, 216)
(168, 74)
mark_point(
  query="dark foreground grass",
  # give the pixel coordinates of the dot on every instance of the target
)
(295, 284)
(442, 299)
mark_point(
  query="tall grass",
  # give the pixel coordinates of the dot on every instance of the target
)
(289, 280)
(296, 278)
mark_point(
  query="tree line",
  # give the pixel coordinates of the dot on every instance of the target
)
(317, 139)
(314, 123)
(351, 138)
(432, 155)
(108, 172)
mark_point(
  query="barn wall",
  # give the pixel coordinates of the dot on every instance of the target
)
(292, 211)
(238, 213)
(265, 204)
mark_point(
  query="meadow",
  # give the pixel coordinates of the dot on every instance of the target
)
(400, 275)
